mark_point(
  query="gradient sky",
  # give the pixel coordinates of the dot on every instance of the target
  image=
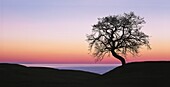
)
(54, 31)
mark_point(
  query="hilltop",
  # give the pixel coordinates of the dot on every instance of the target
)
(139, 74)
(136, 74)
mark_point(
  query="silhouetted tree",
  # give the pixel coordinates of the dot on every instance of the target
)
(117, 34)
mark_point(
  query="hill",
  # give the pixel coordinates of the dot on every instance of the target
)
(137, 74)
(14, 75)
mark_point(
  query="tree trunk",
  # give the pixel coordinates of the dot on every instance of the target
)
(119, 57)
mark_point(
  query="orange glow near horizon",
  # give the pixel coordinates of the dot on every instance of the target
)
(56, 53)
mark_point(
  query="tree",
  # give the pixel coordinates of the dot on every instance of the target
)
(118, 35)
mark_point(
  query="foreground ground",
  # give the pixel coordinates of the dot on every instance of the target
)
(137, 74)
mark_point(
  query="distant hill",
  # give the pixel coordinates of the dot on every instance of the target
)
(137, 74)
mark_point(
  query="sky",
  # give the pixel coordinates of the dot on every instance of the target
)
(54, 31)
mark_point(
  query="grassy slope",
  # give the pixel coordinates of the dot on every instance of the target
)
(138, 74)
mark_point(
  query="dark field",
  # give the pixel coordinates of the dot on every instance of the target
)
(137, 74)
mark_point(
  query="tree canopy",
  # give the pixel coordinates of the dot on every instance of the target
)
(117, 34)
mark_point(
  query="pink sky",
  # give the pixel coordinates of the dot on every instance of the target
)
(33, 31)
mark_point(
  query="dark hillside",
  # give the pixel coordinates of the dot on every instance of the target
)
(137, 74)
(14, 75)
